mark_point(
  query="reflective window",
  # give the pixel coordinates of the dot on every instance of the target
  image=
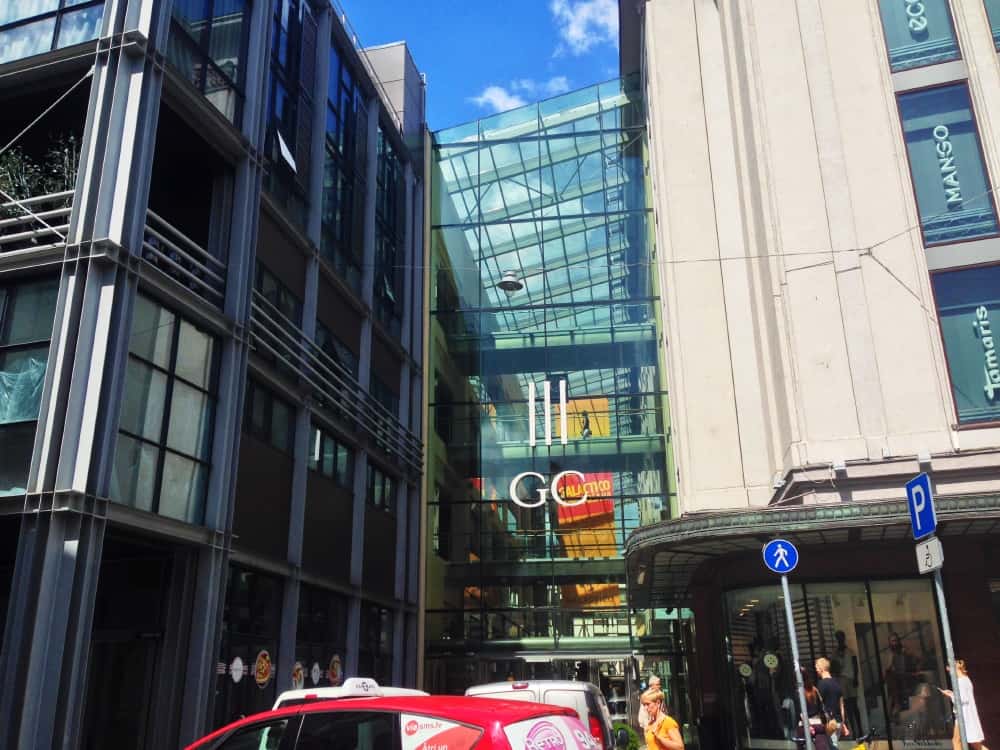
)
(257, 737)
(949, 175)
(163, 458)
(381, 489)
(208, 44)
(282, 299)
(330, 457)
(968, 309)
(268, 417)
(993, 11)
(344, 172)
(289, 126)
(30, 27)
(26, 312)
(331, 344)
(883, 644)
(918, 32)
(389, 235)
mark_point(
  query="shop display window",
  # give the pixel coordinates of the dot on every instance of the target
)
(918, 33)
(949, 176)
(884, 646)
(968, 305)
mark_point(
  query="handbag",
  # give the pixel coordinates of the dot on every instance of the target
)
(830, 725)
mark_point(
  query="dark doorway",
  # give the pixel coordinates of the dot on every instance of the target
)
(130, 624)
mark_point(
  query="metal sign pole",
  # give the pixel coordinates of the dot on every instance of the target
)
(950, 652)
(798, 670)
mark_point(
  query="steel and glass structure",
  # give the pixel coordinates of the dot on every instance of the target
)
(545, 382)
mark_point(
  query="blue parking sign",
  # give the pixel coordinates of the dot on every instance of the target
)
(920, 501)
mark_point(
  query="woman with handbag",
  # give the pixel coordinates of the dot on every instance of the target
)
(816, 714)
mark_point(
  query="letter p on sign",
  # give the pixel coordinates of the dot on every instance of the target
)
(920, 501)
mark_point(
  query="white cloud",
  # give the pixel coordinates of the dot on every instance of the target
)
(556, 85)
(583, 24)
(498, 99)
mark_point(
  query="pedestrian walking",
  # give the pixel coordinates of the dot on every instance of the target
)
(642, 717)
(814, 711)
(832, 701)
(973, 727)
(663, 732)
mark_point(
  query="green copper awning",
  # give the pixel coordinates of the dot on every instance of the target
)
(661, 559)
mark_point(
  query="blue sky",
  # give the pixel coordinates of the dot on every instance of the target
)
(483, 56)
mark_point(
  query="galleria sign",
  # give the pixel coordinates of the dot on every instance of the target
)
(543, 491)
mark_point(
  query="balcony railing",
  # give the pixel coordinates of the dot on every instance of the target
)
(336, 389)
(44, 228)
(183, 259)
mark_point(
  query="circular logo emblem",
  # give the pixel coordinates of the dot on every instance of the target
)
(334, 673)
(315, 673)
(746, 670)
(412, 727)
(237, 669)
(298, 676)
(262, 669)
(544, 736)
(771, 661)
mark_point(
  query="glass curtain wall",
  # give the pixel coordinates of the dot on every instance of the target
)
(31, 27)
(546, 384)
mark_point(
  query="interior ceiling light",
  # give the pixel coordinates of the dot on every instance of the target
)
(510, 284)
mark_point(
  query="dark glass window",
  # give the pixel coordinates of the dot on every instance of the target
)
(331, 458)
(389, 217)
(375, 647)
(949, 175)
(208, 44)
(280, 296)
(969, 313)
(321, 637)
(164, 450)
(343, 729)
(289, 125)
(268, 417)
(30, 27)
(381, 491)
(26, 312)
(343, 172)
(918, 33)
(384, 395)
(248, 658)
(328, 341)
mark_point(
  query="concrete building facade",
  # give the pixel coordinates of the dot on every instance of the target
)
(827, 240)
(210, 366)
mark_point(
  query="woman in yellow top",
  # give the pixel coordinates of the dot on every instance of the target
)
(662, 732)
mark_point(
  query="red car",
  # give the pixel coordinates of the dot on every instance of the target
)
(434, 722)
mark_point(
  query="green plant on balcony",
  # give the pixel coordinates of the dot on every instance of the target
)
(24, 175)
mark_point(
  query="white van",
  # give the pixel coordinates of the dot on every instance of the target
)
(582, 697)
(354, 687)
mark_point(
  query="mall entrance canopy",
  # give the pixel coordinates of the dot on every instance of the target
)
(662, 560)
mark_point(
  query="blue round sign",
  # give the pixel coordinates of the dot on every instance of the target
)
(780, 556)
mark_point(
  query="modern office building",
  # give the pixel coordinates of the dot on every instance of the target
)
(824, 180)
(211, 363)
(548, 433)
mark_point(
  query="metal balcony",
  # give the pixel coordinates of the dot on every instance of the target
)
(35, 224)
(182, 259)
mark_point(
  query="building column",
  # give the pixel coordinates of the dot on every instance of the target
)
(364, 377)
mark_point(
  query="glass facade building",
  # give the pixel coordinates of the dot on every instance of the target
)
(549, 432)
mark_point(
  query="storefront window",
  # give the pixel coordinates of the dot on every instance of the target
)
(883, 645)
(321, 639)
(918, 33)
(968, 304)
(248, 658)
(949, 176)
